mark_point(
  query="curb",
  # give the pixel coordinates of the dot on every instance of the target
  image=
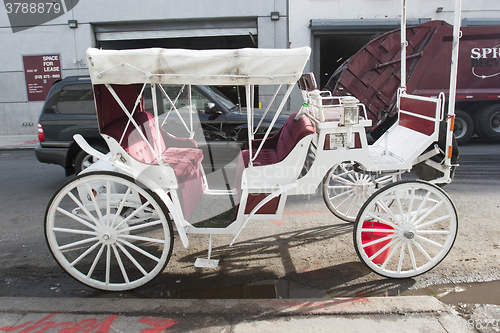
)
(261, 307)
(6, 148)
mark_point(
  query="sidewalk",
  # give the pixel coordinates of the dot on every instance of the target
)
(9, 142)
(383, 314)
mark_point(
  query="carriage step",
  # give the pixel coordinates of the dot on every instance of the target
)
(207, 263)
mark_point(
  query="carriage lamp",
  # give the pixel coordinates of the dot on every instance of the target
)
(350, 116)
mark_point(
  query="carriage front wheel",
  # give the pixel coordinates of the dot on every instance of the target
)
(405, 229)
(108, 232)
(345, 189)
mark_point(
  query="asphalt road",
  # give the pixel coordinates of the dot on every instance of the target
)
(309, 253)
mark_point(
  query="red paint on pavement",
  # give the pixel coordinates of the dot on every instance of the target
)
(90, 325)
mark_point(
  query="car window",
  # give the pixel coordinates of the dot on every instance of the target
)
(76, 99)
(198, 100)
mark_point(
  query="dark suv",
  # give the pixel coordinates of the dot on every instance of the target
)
(69, 109)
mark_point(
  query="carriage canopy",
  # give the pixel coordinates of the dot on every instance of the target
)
(215, 67)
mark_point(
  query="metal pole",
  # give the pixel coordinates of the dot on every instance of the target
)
(403, 46)
(453, 80)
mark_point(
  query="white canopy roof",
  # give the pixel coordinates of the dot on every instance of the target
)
(214, 67)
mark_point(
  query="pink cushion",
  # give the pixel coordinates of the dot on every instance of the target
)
(285, 140)
(181, 154)
(291, 133)
(184, 161)
(186, 164)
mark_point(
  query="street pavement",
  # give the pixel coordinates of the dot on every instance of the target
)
(374, 314)
(29, 141)
(378, 314)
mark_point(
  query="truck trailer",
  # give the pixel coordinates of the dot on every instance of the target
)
(373, 75)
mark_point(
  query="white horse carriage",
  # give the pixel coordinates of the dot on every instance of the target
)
(112, 227)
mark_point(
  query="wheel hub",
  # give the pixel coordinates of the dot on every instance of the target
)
(107, 235)
(409, 234)
(361, 187)
(407, 231)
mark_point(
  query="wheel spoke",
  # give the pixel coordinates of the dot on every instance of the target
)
(76, 218)
(122, 204)
(341, 194)
(96, 259)
(82, 207)
(144, 239)
(343, 181)
(84, 254)
(75, 231)
(391, 254)
(421, 249)
(419, 209)
(140, 226)
(339, 187)
(412, 257)
(401, 256)
(434, 232)
(141, 251)
(346, 199)
(410, 205)
(380, 240)
(70, 245)
(94, 202)
(381, 220)
(429, 241)
(120, 263)
(399, 205)
(348, 173)
(429, 212)
(385, 208)
(382, 249)
(378, 230)
(351, 205)
(139, 267)
(442, 218)
(108, 263)
(128, 218)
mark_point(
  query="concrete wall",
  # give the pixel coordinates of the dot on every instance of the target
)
(55, 37)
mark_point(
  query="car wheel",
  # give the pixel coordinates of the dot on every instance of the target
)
(464, 127)
(489, 121)
(83, 161)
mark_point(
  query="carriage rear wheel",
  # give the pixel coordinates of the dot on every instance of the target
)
(345, 190)
(108, 232)
(405, 229)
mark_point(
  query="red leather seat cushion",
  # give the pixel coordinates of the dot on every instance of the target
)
(265, 157)
(286, 139)
(184, 161)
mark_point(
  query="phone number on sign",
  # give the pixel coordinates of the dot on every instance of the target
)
(32, 8)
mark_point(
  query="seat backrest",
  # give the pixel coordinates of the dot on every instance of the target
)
(291, 133)
(132, 142)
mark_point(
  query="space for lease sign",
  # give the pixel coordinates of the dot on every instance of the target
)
(40, 72)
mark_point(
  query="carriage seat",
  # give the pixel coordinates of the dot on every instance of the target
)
(277, 147)
(182, 154)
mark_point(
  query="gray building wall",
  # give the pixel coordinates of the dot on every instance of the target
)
(292, 29)
(56, 37)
